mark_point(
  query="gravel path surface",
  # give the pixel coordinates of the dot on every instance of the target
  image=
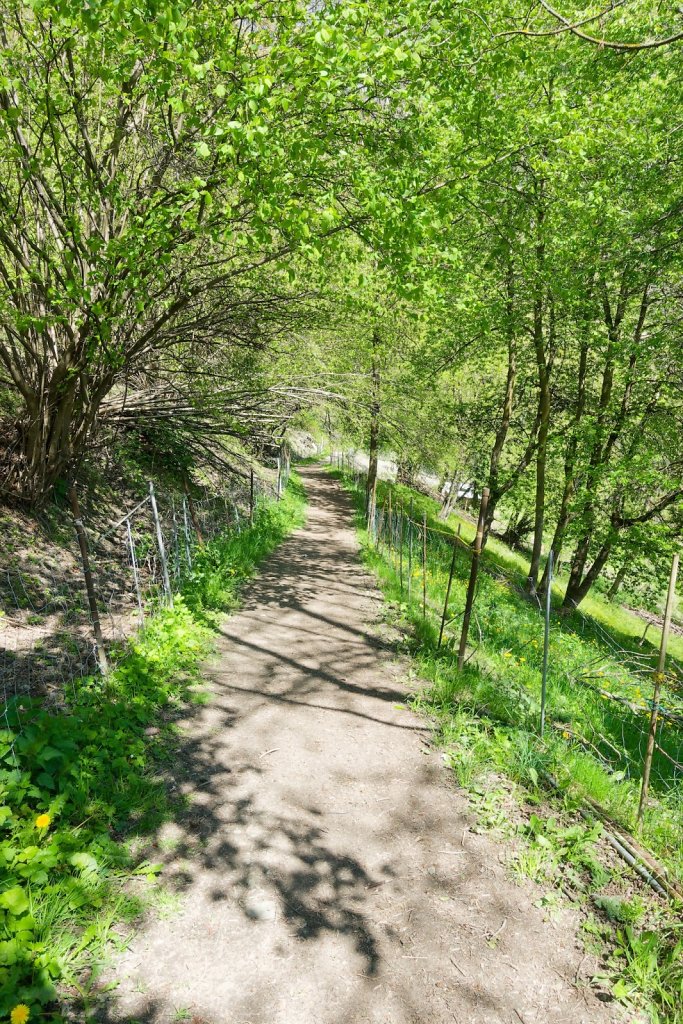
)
(326, 868)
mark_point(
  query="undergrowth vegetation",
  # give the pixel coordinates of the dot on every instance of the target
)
(79, 787)
(486, 720)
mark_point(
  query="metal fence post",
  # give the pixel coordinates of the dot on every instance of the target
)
(251, 496)
(546, 639)
(160, 544)
(659, 676)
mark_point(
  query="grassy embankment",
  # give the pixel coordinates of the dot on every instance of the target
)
(79, 789)
(487, 720)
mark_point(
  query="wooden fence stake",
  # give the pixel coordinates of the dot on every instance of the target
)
(400, 551)
(659, 676)
(424, 565)
(410, 547)
(251, 497)
(89, 585)
(186, 527)
(391, 528)
(160, 544)
(474, 572)
(448, 594)
(136, 574)
(193, 515)
(546, 638)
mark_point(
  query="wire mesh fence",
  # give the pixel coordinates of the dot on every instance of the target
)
(600, 685)
(59, 623)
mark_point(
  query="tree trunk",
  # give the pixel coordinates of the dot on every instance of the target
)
(569, 489)
(575, 588)
(617, 582)
(542, 450)
(578, 588)
(371, 488)
(495, 491)
(450, 497)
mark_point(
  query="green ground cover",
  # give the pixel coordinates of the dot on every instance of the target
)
(80, 789)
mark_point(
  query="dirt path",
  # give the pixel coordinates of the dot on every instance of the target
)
(327, 870)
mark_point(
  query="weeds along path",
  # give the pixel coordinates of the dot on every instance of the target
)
(325, 865)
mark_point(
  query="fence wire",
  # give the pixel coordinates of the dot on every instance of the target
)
(616, 678)
(46, 629)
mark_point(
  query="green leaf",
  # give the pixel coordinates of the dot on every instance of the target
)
(85, 862)
(14, 900)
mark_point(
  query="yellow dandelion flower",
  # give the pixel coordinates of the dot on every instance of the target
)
(20, 1014)
(43, 821)
(507, 654)
(521, 660)
(565, 734)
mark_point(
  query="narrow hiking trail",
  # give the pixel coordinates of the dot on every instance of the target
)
(326, 870)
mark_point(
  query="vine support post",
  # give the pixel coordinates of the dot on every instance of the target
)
(659, 676)
(474, 572)
(251, 496)
(160, 545)
(546, 639)
(89, 584)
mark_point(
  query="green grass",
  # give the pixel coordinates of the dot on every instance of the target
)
(595, 744)
(487, 717)
(79, 789)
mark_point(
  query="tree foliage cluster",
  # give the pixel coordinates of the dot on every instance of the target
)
(456, 231)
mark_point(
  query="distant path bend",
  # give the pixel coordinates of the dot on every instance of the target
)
(326, 868)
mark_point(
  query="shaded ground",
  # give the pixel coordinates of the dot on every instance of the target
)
(327, 870)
